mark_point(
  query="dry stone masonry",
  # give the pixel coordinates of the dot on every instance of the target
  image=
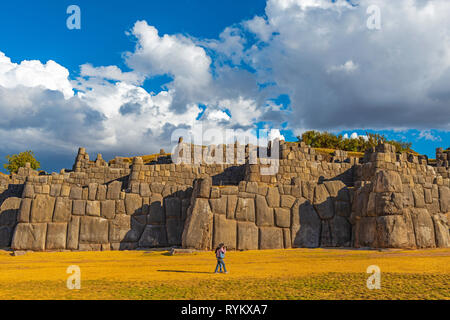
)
(383, 200)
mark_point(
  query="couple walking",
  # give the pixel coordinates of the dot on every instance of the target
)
(220, 255)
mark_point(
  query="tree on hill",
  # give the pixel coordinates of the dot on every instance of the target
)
(17, 161)
(328, 140)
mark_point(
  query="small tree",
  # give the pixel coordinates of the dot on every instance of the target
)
(17, 161)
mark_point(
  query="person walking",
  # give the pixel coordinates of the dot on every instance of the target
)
(220, 255)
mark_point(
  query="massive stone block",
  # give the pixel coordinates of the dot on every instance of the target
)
(93, 230)
(93, 208)
(245, 210)
(388, 181)
(264, 214)
(153, 236)
(73, 232)
(114, 189)
(5, 236)
(270, 238)
(305, 233)
(24, 211)
(219, 205)
(247, 236)
(173, 208)
(444, 198)
(9, 210)
(341, 232)
(323, 203)
(366, 232)
(441, 230)
(133, 204)
(395, 231)
(42, 208)
(224, 231)
(29, 236)
(282, 217)
(79, 207)
(156, 212)
(231, 206)
(174, 228)
(108, 209)
(423, 228)
(63, 210)
(273, 197)
(56, 236)
(197, 233)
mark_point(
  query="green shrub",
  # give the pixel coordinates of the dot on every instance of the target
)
(328, 140)
(17, 161)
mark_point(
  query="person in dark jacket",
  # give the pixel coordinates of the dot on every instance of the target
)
(220, 255)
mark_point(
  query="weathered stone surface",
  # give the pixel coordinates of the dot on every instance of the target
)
(341, 232)
(9, 211)
(101, 192)
(305, 234)
(73, 232)
(156, 212)
(42, 208)
(419, 199)
(29, 236)
(76, 193)
(133, 204)
(119, 228)
(92, 191)
(287, 238)
(282, 217)
(108, 209)
(174, 228)
(153, 236)
(231, 206)
(342, 209)
(5, 236)
(389, 203)
(287, 201)
(93, 230)
(325, 234)
(197, 233)
(366, 232)
(337, 189)
(28, 191)
(224, 231)
(270, 238)
(423, 228)
(56, 236)
(93, 208)
(245, 210)
(79, 207)
(114, 189)
(441, 230)
(388, 181)
(247, 237)
(90, 247)
(444, 198)
(204, 189)
(323, 203)
(219, 205)
(63, 210)
(395, 231)
(264, 214)
(273, 197)
(173, 208)
(144, 190)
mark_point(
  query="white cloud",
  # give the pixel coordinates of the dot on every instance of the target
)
(110, 73)
(33, 73)
(428, 135)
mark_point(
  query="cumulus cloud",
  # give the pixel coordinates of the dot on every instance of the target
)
(338, 75)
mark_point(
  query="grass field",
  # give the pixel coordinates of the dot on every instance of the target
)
(274, 274)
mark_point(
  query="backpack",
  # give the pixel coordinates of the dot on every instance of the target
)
(221, 255)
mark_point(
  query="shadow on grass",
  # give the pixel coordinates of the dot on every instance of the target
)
(183, 271)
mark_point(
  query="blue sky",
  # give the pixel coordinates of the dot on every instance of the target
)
(234, 64)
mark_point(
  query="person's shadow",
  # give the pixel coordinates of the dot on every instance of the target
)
(183, 271)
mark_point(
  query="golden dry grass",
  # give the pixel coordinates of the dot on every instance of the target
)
(274, 274)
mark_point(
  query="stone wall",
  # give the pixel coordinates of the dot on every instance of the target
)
(400, 203)
(383, 200)
(99, 217)
(256, 215)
